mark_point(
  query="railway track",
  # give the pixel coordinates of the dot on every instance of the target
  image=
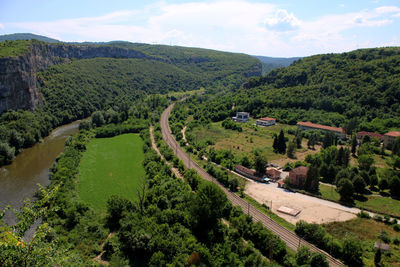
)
(291, 239)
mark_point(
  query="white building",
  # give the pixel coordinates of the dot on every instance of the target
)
(266, 121)
(241, 117)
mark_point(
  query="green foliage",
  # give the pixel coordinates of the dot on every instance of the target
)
(346, 190)
(229, 124)
(15, 48)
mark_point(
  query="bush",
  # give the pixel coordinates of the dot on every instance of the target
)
(363, 214)
(396, 227)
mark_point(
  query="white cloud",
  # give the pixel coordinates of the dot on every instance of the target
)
(1, 26)
(238, 25)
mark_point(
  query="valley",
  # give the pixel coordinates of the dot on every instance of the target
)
(109, 198)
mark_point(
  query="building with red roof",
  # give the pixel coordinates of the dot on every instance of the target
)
(307, 125)
(360, 136)
(273, 174)
(298, 176)
(388, 138)
(267, 121)
(249, 173)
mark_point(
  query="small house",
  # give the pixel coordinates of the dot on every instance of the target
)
(388, 138)
(298, 176)
(241, 117)
(249, 173)
(273, 174)
(381, 246)
(267, 121)
(360, 136)
(307, 125)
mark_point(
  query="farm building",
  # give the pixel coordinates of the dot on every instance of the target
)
(273, 174)
(241, 117)
(267, 121)
(249, 173)
(388, 138)
(307, 125)
(298, 176)
(360, 136)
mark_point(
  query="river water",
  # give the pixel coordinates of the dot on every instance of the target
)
(19, 180)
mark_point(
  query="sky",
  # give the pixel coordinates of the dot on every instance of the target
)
(269, 28)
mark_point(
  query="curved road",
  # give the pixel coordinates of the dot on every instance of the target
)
(290, 238)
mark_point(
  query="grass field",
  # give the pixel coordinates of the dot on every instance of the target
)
(367, 230)
(250, 139)
(377, 204)
(111, 166)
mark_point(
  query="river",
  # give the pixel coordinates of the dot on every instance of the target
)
(19, 180)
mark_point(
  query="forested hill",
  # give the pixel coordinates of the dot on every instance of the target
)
(270, 63)
(66, 82)
(330, 89)
(27, 36)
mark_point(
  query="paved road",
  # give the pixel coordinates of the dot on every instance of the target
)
(290, 238)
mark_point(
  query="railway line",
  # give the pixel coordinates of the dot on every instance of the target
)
(291, 239)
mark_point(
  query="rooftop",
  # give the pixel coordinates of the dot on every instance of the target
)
(302, 170)
(245, 170)
(319, 126)
(267, 119)
(394, 134)
(363, 133)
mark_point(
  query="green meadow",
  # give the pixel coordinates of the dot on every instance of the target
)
(111, 166)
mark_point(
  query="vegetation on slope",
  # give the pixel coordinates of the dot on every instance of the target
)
(329, 89)
(76, 89)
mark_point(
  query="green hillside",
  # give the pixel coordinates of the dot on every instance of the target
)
(329, 89)
(27, 36)
(73, 90)
(270, 63)
(76, 89)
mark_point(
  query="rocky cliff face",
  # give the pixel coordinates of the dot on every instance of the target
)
(18, 88)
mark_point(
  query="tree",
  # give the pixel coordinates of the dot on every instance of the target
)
(281, 143)
(395, 186)
(312, 140)
(352, 252)
(299, 138)
(351, 125)
(346, 190)
(97, 119)
(383, 184)
(359, 184)
(396, 147)
(303, 256)
(312, 180)
(354, 144)
(318, 260)
(377, 258)
(260, 163)
(246, 161)
(275, 144)
(330, 139)
(365, 161)
(291, 150)
(208, 205)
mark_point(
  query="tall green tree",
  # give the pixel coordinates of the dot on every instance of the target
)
(281, 142)
(354, 144)
(260, 163)
(291, 150)
(346, 190)
(312, 180)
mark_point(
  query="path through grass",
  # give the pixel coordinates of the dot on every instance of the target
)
(111, 166)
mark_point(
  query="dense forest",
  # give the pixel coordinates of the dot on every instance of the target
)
(363, 85)
(75, 89)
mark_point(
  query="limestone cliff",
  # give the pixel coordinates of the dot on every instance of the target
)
(18, 89)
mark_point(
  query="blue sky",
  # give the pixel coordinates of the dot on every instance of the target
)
(269, 28)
